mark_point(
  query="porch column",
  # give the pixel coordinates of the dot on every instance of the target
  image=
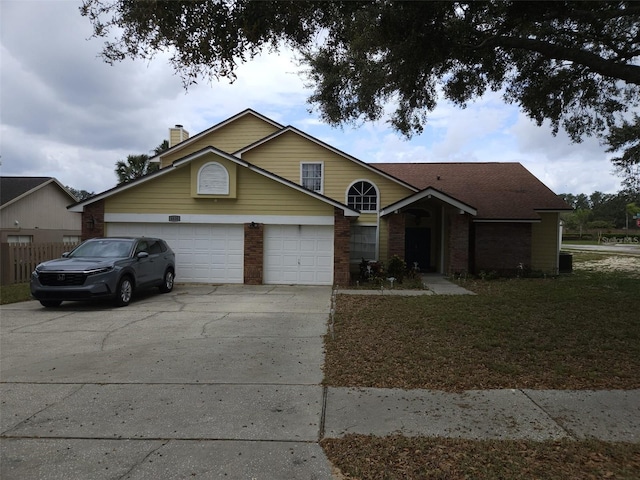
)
(458, 243)
(341, 248)
(396, 223)
(253, 253)
(93, 221)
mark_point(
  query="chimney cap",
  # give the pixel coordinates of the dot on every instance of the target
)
(178, 125)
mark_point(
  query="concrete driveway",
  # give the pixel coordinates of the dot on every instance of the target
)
(204, 382)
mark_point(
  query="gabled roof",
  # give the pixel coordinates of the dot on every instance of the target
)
(289, 128)
(12, 189)
(498, 191)
(78, 207)
(217, 126)
(428, 193)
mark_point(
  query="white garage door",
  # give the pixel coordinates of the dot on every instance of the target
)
(298, 254)
(204, 253)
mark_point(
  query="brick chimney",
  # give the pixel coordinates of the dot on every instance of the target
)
(177, 134)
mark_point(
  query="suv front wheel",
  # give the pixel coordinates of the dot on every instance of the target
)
(124, 292)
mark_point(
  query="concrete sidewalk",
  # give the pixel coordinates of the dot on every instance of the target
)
(434, 284)
(539, 415)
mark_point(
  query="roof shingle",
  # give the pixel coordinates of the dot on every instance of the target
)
(499, 191)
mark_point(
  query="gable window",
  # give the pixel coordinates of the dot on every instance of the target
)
(311, 176)
(362, 196)
(213, 179)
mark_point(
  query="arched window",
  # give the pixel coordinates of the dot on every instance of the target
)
(363, 196)
(213, 179)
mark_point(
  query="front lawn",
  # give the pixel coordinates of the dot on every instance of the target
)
(396, 457)
(580, 331)
(572, 332)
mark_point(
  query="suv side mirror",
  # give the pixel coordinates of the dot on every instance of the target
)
(142, 255)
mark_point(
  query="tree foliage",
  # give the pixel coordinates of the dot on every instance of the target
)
(136, 166)
(614, 210)
(571, 63)
(79, 194)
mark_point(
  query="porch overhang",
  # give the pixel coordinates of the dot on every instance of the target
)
(428, 193)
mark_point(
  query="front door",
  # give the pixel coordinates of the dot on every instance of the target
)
(417, 248)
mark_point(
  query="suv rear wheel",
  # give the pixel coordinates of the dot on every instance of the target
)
(167, 281)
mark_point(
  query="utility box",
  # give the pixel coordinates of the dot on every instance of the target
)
(565, 263)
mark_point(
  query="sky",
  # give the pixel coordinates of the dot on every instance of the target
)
(64, 113)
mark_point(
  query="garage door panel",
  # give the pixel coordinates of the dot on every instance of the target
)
(298, 254)
(204, 253)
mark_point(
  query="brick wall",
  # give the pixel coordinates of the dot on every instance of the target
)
(458, 243)
(253, 253)
(93, 220)
(396, 235)
(502, 246)
(342, 235)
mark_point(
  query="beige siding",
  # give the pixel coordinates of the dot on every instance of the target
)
(284, 154)
(229, 138)
(545, 243)
(256, 195)
(45, 209)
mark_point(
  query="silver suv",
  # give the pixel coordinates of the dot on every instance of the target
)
(105, 267)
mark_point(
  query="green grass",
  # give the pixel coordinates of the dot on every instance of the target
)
(568, 243)
(18, 292)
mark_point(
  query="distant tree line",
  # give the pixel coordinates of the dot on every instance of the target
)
(603, 211)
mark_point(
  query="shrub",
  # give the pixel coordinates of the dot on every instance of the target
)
(397, 268)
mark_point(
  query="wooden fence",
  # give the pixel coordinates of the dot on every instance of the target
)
(17, 261)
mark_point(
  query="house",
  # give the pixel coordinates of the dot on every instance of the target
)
(34, 210)
(252, 201)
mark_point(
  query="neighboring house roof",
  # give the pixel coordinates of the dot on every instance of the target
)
(78, 207)
(13, 189)
(498, 191)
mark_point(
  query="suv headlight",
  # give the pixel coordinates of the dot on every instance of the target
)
(96, 271)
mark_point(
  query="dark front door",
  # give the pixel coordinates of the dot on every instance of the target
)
(417, 248)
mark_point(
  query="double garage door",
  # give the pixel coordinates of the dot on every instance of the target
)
(205, 253)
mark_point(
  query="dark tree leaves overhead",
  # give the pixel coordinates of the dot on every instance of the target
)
(573, 64)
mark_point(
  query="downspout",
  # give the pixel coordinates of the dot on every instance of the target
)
(442, 239)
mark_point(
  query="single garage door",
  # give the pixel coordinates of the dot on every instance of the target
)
(298, 254)
(204, 253)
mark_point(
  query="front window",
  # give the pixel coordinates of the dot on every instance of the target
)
(363, 243)
(311, 176)
(19, 239)
(71, 239)
(362, 196)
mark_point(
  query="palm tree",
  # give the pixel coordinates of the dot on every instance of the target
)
(135, 166)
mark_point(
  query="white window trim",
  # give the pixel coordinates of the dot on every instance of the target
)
(321, 191)
(346, 194)
(222, 191)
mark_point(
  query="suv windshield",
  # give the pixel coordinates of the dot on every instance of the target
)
(103, 248)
